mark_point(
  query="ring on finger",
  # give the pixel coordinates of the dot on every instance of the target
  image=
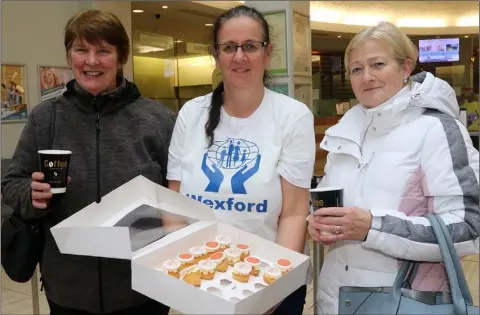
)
(338, 229)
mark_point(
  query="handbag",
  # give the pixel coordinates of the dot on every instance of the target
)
(23, 240)
(399, 299)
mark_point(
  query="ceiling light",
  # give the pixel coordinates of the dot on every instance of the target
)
(468, 21)
(143, 49)
(325, 15)
(165, 6)
(179, 41)
(339, 36)
(362, 20)
(208, 24)
(466, 36)
(137, 11)
(421, 22)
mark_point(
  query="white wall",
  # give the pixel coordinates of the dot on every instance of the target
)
(32, 34)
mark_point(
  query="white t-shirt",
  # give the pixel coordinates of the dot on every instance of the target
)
(239, 175)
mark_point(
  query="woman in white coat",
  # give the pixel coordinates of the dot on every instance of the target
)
(399, 154)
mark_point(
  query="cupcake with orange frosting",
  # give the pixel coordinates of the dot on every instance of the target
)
(207, 268)
(233, 255)
(255, 263)
(284, 265)
(211, 247)
(241, 271)
(224, 241)
(186, 260)
(199, 253)
(271, 274)
(192, 275)
(220, 260)
(244, 249)
(172, 267)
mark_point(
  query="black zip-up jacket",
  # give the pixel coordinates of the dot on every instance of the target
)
(114, 137)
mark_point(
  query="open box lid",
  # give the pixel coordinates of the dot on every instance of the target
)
(105, 229)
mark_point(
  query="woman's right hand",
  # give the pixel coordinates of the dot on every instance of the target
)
(40, 191)
(314, 228)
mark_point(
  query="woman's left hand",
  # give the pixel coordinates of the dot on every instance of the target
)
(344, 223)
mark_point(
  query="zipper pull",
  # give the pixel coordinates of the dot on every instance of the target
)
(97, 120)
(363, 164)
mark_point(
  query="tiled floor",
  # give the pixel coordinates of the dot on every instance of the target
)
(17, 298)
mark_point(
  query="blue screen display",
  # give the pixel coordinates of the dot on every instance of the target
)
(439, 50)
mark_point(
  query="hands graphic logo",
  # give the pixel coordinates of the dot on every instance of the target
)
(230, 155)
(215, 176)
(240, 177)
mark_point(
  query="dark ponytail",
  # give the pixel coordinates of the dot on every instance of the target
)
(217, 95)
(214, 114)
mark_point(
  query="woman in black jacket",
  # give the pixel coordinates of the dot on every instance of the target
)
(115, 134)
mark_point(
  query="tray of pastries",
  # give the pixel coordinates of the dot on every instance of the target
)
(231, 271)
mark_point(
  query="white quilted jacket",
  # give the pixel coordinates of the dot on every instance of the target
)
(401, 160)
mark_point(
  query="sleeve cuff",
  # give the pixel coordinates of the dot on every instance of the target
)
(174, 176)
(377, 216)
(376, 223)
(372, 238)
(375, 226)
(292, 180)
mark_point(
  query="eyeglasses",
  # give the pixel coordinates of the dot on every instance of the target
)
(248, 48)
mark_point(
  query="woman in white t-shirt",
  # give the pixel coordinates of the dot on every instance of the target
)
(245, 150)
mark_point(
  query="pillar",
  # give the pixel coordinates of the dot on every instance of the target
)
(290, 35)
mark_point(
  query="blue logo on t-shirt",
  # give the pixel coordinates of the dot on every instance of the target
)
(239, 154)
(232, 155)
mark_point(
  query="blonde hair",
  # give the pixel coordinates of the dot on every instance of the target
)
(401, 47)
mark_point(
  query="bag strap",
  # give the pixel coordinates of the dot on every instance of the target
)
(456, 264)
(52, 123)
(459, 290)
(412, 272)
(396, 295)
(454, 276)
(462, 281)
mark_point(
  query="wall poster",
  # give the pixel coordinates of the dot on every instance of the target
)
(278, 29)
(302, 52)
(14, 96)
(53, 81)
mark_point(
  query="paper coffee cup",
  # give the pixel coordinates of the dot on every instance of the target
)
(326, 197)
(54, 165)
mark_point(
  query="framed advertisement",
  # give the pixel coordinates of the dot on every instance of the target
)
(278, 29)
(14, 104)
(301, 45)
(53, 81)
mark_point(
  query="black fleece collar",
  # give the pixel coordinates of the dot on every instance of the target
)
(125, 93)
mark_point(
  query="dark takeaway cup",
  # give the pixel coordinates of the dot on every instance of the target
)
(326, 197)
(54, 165)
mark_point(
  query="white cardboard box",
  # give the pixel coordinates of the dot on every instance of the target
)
(91, 232)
